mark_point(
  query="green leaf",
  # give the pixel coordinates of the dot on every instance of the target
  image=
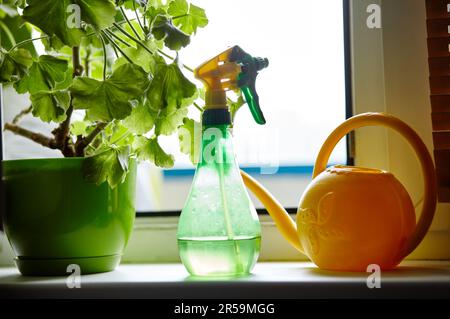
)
(153, 11)
(51, 16)
(52, 43)
(78, 128)
(98, 13)
(50, 105)
(6, 9)
(140, 120)
(18, 3)
(92, 40)
(43, 75)
(141, 57)
(169, 87)
(174, 38)
(189, 135)
(178, 8)
(167, 96)
(14, 65)
(149, 149)
(138, 3)
(110, 99)
(60, 17)
(68, 79)
(118, 135)
(110, 165)
(189, 17)
(46, 81)
(13, 30)
(169, 119)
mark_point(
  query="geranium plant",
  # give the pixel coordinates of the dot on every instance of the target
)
(116, 62)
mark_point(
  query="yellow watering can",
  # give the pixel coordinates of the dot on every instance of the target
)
(351, 217)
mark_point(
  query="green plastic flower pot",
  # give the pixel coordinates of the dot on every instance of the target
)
(55, 218)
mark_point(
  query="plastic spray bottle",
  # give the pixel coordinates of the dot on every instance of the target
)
(219, 232)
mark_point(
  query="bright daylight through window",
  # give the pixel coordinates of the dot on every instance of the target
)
(302, 90)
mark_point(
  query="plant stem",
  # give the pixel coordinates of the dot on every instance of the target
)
(83, 143)
(36, 137)
(124, 32)
(172, 58)
(87, 61)
(119, 23)
(104, 58)
(8, 33)
(115, 51)
(198, 107)
(129, 23)
(180, 16)
(116, 46)
(117, 37)
(76, 61)
(22, 113)
(26, 41)
(62, 137)
(137, 17)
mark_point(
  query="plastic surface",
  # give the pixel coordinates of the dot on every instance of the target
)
(231, 70)
(350, 217)
(218, 231)
(54, 217)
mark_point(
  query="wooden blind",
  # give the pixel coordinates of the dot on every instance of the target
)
(438, 27)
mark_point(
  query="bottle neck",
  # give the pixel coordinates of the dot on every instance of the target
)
(212, 117)
(217, 145)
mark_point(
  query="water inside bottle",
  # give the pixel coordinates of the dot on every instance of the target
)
(219, 256)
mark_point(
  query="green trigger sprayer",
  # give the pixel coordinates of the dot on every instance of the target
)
(219, 232)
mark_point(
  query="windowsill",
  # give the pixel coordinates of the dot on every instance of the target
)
(413, 279)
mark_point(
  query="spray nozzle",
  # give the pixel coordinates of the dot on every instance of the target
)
(230, 70)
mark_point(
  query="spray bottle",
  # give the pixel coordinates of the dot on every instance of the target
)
(219, 232)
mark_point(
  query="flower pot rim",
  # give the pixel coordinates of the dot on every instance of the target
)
(49, 159)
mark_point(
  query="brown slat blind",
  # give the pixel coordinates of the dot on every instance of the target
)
(438, 27)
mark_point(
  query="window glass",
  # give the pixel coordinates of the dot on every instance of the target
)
(302, 95)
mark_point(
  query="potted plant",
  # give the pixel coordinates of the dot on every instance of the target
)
(116, 64)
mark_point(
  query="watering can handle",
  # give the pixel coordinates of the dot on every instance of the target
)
(429, 174)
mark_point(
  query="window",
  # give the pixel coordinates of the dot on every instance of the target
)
(306, 37)
(302, 93)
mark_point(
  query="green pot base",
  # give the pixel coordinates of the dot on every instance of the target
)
(54, 217)
(59, 267)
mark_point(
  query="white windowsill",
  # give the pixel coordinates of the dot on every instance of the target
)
(427, 279)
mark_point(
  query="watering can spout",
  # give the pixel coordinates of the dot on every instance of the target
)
(280, 216)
